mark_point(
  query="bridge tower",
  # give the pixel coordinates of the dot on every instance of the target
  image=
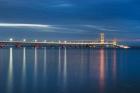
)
(114, 42)
(102, 38)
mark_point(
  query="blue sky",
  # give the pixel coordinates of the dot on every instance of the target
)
(70, 19)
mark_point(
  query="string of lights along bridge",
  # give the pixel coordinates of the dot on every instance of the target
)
(100, 43)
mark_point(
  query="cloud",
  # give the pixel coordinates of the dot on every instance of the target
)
(60, 4)
(100, 28)
(78, 29)
(23, 25)
(63, 5)
(65, 29)
(42, 27)
(69, 29)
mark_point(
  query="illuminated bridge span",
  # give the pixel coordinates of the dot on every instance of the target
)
(101, 43)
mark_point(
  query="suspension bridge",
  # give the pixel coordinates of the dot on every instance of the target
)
(101, 43)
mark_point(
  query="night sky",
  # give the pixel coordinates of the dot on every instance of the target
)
(70, 19)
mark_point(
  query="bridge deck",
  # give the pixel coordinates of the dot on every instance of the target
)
(59, 44)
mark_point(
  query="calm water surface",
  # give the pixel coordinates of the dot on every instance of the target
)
(33, 70)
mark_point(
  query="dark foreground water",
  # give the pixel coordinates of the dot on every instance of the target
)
(32, 70)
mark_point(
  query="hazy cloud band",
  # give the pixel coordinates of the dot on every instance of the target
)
(22, 25)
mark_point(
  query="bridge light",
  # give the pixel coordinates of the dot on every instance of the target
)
(35, 40)
(11, 39)
(45, 40)
(59, 41)
(114, 42)
(24, 40)
(126, 47)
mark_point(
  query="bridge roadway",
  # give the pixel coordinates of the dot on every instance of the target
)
(59, 44)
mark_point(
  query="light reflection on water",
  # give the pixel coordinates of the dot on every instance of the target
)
(24, 70)
(62, 70)
(65, 68)
(45, 62)
(114, 66)
(35, 67)
(59, 62)
(10, 71)
(102, 70)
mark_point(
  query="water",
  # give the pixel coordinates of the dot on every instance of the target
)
(33, 70)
